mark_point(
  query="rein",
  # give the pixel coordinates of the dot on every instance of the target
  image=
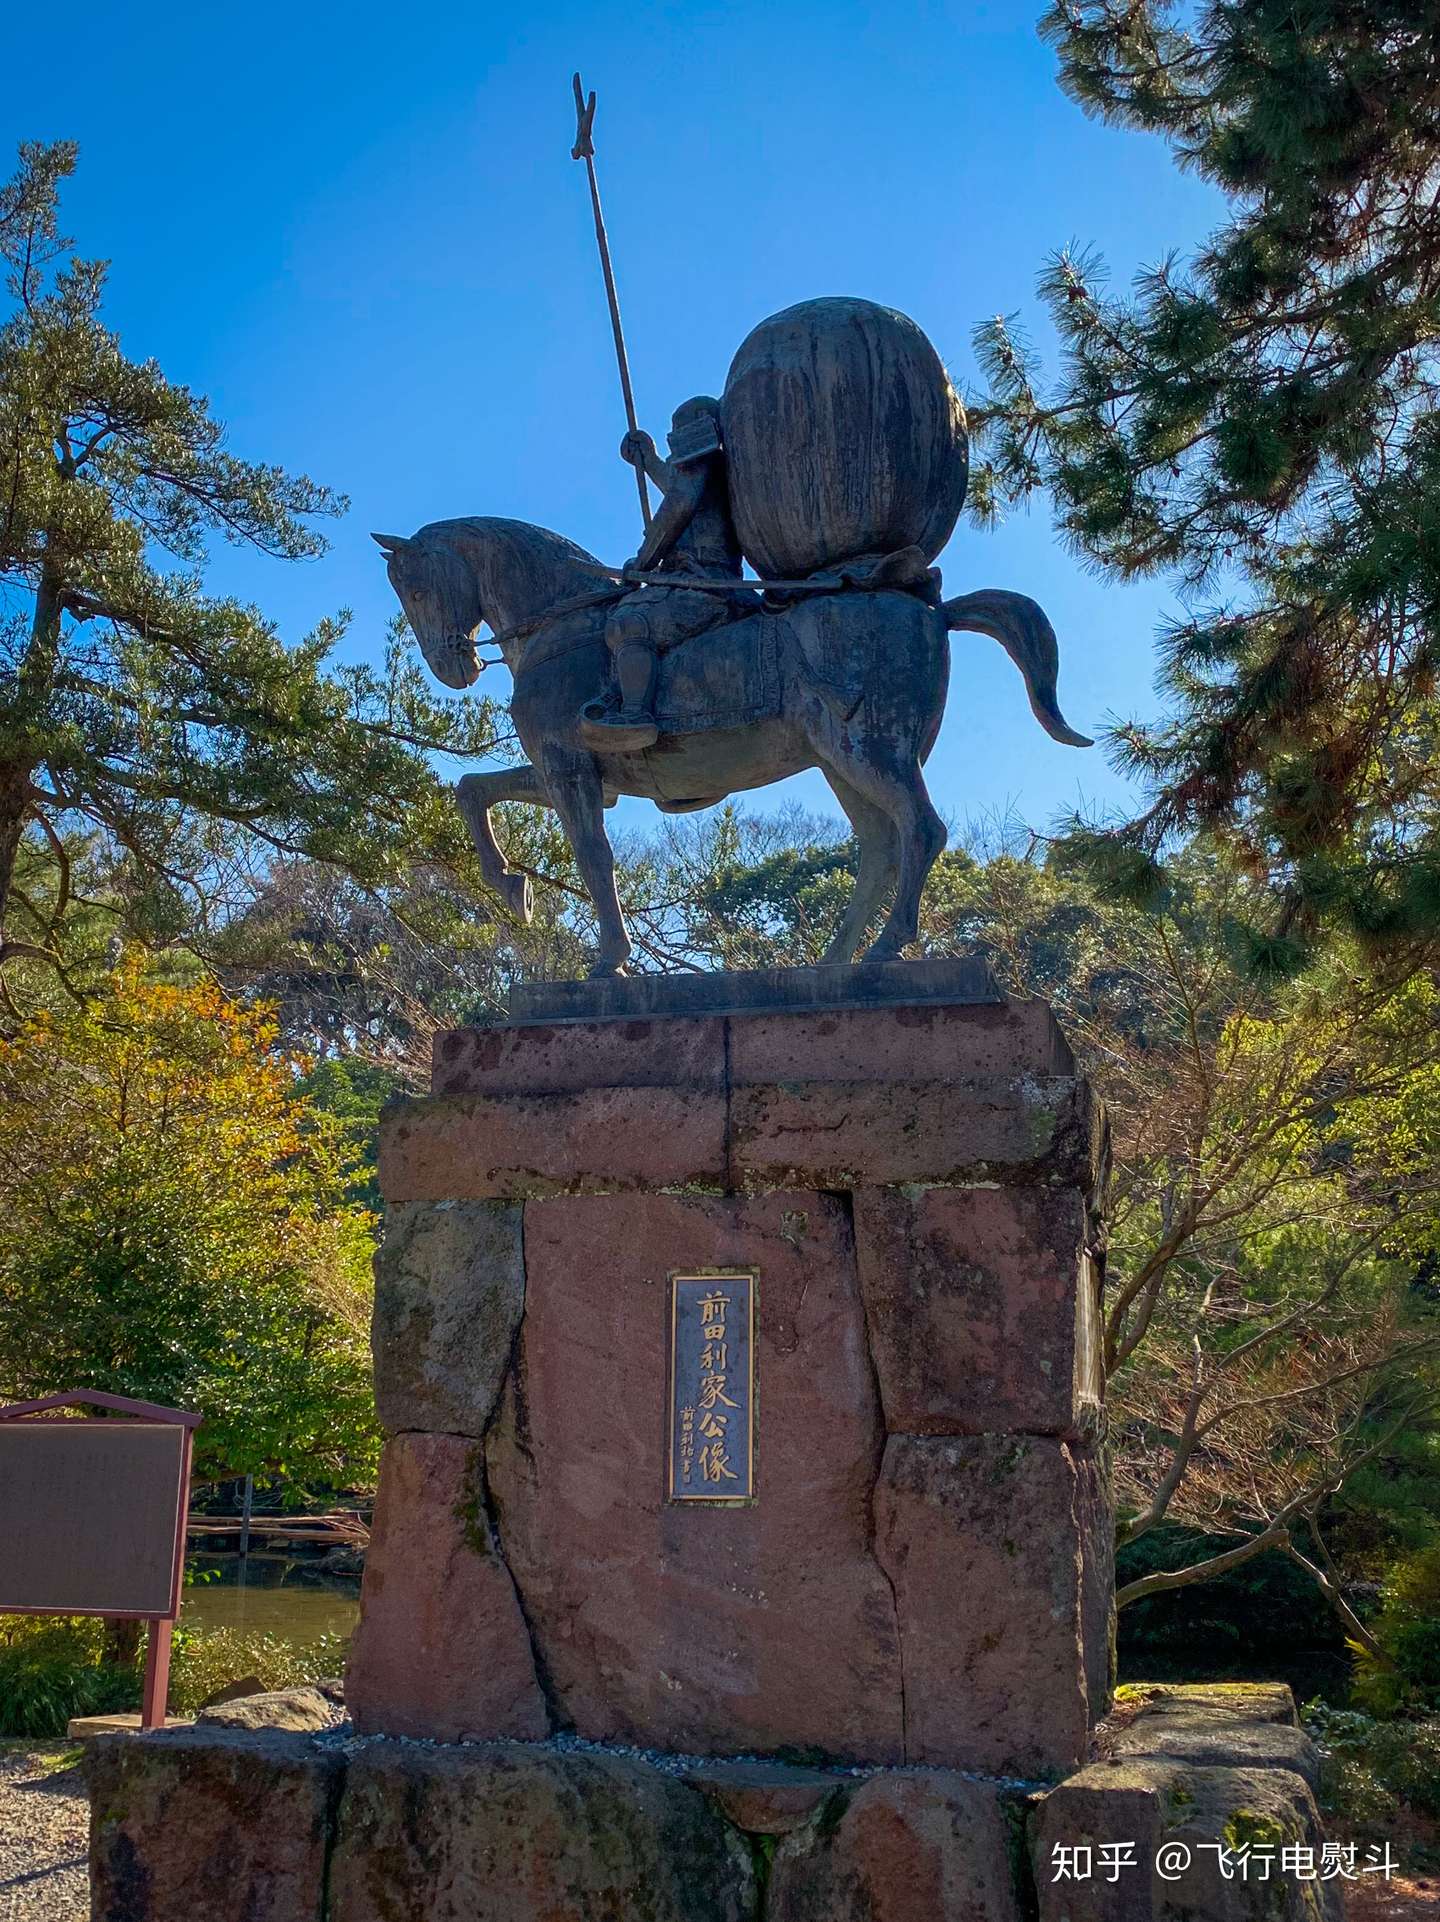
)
(698, 583)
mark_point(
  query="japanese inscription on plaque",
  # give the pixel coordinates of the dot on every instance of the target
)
(712, 1388)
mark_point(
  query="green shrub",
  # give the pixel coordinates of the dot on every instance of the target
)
(1406, 1675)
(52, 1668)
(207, 1660)
(1372, 1772)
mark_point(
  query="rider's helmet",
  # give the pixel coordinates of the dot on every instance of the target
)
(695, 430)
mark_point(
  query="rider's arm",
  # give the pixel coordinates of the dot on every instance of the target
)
(639, 444)
(677, 510)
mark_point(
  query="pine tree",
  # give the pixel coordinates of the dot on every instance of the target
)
(171, 730)
(1260, 424)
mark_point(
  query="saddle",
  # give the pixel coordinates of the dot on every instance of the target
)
(726, 677)
(729, 676)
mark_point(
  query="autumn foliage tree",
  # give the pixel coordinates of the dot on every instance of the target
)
(176, 1227)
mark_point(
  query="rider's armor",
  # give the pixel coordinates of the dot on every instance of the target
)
(692, 534)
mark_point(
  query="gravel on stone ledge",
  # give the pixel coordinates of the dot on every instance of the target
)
(44, 1825)
(344, 1737)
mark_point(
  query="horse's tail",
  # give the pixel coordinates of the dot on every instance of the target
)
(1022, 629)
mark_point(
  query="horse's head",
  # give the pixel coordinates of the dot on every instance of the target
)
(437, 588)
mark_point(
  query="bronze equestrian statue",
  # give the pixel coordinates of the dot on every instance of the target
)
(835, 462)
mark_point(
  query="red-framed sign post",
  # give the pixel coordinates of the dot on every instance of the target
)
(92, 1515)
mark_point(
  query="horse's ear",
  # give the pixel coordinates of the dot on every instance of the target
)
(390, 543)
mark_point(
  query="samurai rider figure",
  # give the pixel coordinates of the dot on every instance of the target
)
(691, 535)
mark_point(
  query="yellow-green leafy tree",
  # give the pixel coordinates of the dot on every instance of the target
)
(177, 1228)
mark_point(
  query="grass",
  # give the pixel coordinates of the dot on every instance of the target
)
(53, 1668)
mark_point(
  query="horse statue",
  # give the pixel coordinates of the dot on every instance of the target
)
(849, 677)
(836, 463)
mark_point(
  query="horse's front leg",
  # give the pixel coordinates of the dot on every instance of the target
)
(578, 797)
(475, 795)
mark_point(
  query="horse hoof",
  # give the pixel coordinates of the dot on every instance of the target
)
(607, 971)
(519, 897)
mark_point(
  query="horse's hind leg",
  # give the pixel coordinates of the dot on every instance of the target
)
(875, 876)
(475, 795)
(579, 799)
(894, 784)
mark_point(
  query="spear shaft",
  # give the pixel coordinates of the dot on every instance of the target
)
(584, 149)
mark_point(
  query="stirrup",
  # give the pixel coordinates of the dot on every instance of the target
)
(616, 732)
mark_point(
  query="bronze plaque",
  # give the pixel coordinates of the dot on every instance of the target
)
(89, 1516)
(712, 1388)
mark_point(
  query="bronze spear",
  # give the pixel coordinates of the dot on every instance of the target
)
(584, 149)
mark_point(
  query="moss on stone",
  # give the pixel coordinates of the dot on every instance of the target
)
(1134, 1692)
(472, 1510)
(1015, 1813)
(1006, 1461)
(1249, 1829)
(830, 1814)
(762, 1853)
(1178, 1801)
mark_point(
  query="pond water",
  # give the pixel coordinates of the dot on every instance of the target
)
(275, 1598)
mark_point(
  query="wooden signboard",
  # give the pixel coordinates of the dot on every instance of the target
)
(92, 1516)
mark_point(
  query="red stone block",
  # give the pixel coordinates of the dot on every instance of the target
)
(981, 1309)
(449, 1293)
(572, 1056)
(928, 1042)
(690, 1627)
(1095, 1509)
(980, 1536)
(855, 1134)
(441, 1648)
(918, 1846)
(1180, 1834)
(764, 1798)
(205, 1825)
(507, 1147)
(966, 1153)
(510, 1834)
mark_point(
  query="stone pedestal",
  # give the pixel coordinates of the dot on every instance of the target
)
(908, 1615)
(923, 1575)
(1201, 1799)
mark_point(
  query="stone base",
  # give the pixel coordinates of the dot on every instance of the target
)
(245, 1827)
(924, 1574)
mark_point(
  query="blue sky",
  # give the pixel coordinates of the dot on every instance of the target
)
(359, 231)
